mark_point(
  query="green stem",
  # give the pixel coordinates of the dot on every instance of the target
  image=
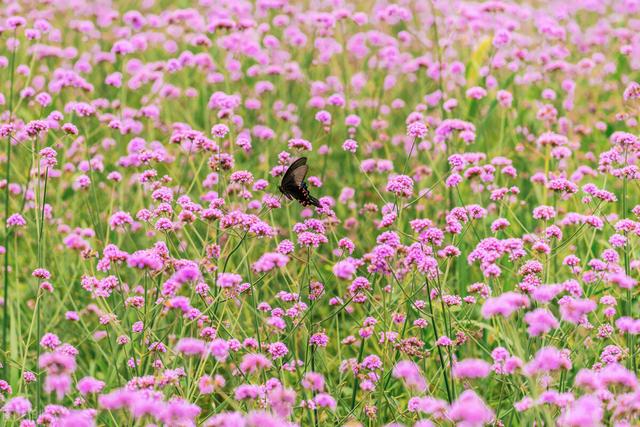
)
(435, 338)
(7, 174)
(631, 362)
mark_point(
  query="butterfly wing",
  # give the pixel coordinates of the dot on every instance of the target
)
(298, 174)
(310, 200)
(302, 161)
(302, 195)
(290, 184)
(292, 191)
(293, 185)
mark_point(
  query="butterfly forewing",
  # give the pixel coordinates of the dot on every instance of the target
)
(298, 174)
(302, 161)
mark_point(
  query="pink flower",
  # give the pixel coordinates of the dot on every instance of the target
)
(504, 305)
(277, 350)
(50, 341)
(219, 349)
(350, 145)
(476, 93)
(208, 385)
(524, 404)
(409, 372)
(58, 383)
(313, 381)
(229, 280)
(18, 406)
(575, 310)
(16, 220)
(548, 359)
(504, 98)
(219, 130)
(90, 385)
(417, 130)
(324, 400)
(544, 212)
(319, 339)
(540, 321)
(282, 400)
(345, 269)
(41, 273)
(587, 411)
(144, 259)
(191, 347)
(632, 92)
(120, 219)
(400, 185)
(471, 368)
(469, 409)
(270, 261)
(254, 362)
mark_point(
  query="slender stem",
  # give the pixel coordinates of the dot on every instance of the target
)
(39, 229)
(355, 379)
(7, 233)
(631, 361)
(435, 338)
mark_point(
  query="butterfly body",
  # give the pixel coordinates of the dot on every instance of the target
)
(293, 185)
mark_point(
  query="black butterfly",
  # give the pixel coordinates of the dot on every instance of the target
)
(293, 185)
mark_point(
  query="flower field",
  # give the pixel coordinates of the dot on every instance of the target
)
(456, 244)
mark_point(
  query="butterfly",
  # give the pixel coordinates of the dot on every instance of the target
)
(293, 185)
